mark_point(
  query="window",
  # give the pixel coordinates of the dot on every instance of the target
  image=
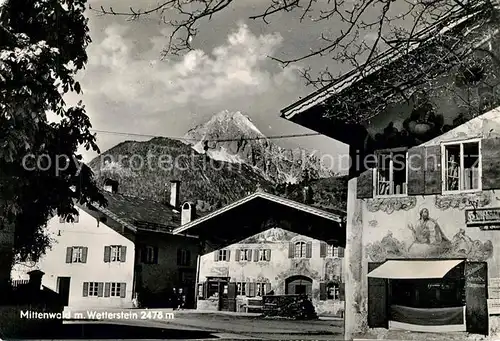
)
(261, 289)
(149, 255)
(391, 173)
(241, 288)
(93, 289)
(222, 256)
(115, 290)
(245, 255)
(300, 250)
(265, 255)
(332, 251)
(461, 167)
(183, 257)
(77, 254)
(333, 291)
(115, 253)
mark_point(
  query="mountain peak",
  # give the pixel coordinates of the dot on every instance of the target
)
(232, 137)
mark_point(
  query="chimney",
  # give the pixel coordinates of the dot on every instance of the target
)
(307, 195)
(188, 213)
(174, 193)
(35, 281)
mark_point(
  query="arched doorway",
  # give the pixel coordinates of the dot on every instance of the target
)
(298, 285)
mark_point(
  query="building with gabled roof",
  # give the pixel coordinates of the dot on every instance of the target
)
(110, 255)
(422, 212)
(264, 244)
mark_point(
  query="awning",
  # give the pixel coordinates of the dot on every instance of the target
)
(414, 269)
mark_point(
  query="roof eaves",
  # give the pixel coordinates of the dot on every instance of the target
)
(355, 75)
(271, 197)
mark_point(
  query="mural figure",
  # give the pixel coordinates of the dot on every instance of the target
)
(429, 239)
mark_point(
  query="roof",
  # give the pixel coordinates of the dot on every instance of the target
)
(439, 28)
(140, 214)
(339, 218)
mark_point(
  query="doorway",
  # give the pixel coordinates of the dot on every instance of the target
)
(298, 285)
(63, 284)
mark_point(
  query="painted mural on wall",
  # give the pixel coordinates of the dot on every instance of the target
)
(272, 235)
(389, 205)
(461, 201)
(429, 241)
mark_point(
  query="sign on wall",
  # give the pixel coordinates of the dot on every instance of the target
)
(494, 306)
(494, 288)
(484, 218)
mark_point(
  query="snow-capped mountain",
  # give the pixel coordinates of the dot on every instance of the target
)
(233, 137)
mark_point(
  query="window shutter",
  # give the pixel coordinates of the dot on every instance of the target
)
(123, 254)
(322, 250)
(107, 254)
(416, 172)
(249, 254)
(251, 289)
(155, 255)
(69, 254)
(179, 257)
(188, 258)
(268, 288)
(308, 250)
(107, 289)
(84, 254)
(341, 252)
(228, 255)
(490, 154)
(256, 255)
(268, 255)
(291, 250)
(476, 295)
(342, 292)
(322, 291)
(433, 181)
(216, 256)
(364, 188)
(123, 290)
(377, 300)
(238, 255)
(85, 289)
(205, 290)
(100, 289)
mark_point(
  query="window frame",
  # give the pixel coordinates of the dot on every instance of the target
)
(391, 173)
(73, 253)
(243, 253)
(262, 255)
(184, 257)
(118, 253)
(461, 179)
(117, 289)
(241, 289)
(223, 252)
(336, 295)
(332, 251)
(149, 260)
(303, 251)
(93, 286)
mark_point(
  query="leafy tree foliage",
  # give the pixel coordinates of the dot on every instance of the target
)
(42, 47)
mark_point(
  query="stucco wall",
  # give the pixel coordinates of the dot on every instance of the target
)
(84, 233)
(378, 228)
(278, 269)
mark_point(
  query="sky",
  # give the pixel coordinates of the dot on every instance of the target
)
(127, 87)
